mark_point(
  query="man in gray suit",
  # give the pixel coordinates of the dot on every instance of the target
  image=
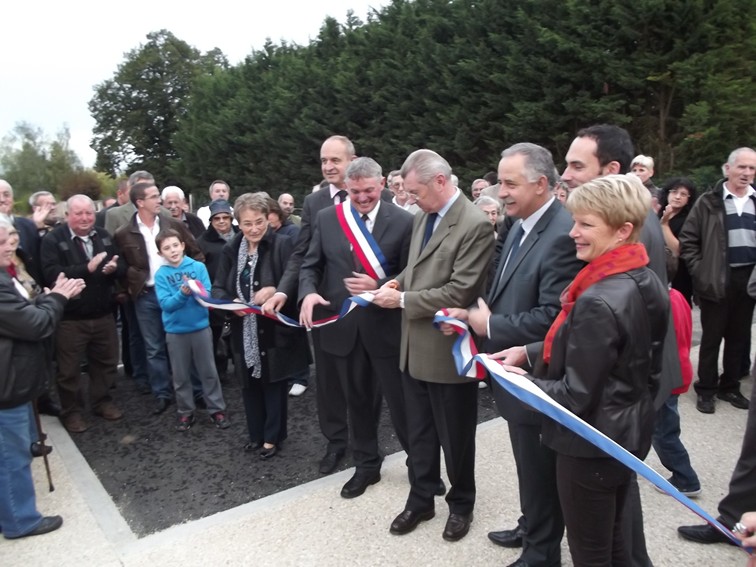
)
(449, 254)
(364, 345)
(537, 262)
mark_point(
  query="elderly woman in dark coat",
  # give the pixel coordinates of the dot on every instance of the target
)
(603, 353)
(26, 328)
(265, 352)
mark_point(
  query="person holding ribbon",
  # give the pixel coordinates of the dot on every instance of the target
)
(357, 246)
(603, 355)
(265, 353)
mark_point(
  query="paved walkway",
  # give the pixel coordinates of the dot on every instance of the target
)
(312, 525)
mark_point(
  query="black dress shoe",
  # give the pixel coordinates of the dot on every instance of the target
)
(40, 450)
(705, 404)
(703, 534)
(331, 460)
(520, 563)
(162, 405)
(737, 399)
(408, 520)
(508, 538)
(47, 525)
(440, 489)
(253, 447)
(457, 526)
(357, 485)
(268, 452)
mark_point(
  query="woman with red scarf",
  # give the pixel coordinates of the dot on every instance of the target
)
(602, 354)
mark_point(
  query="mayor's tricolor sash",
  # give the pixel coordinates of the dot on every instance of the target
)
(527, 392)
(365, 247)
(206, 300)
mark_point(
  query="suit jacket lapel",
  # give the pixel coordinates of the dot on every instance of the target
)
(443, 229)
(527, 244)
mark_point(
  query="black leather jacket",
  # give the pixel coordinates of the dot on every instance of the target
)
(601, 361)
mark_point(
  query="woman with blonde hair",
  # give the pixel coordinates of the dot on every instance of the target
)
(603, 353)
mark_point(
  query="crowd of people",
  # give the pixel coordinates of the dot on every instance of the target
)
(583, 282)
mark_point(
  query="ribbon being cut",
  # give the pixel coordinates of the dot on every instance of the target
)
(203, 298)
(474, 365)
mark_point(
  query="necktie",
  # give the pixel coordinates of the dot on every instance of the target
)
(430, 223)
(84, 248)
(515, 244)
(342, 195)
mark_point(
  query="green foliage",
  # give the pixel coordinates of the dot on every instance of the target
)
(30, 162)
(84, 182)
(139, 110)
(466, 78)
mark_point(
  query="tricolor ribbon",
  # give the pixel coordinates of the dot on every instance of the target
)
(364, 245)
(206, 300)
(468, 363)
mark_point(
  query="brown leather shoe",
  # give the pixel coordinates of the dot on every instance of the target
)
(457, 526)
(74, 423)
(109, 411)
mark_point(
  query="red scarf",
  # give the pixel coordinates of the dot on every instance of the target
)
(616, 261)
(11, 269)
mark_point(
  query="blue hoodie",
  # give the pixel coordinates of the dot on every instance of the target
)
(181, 313)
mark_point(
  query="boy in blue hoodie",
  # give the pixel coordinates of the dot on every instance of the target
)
(187, 331)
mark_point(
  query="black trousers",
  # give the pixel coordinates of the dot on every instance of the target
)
(330, 398)
(441, 416)
(539, 498)
(729, 320)
(593, 494)
(266, 407)
(741, 496)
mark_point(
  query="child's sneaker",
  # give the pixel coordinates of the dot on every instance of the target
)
(220, 420)
(185, 422)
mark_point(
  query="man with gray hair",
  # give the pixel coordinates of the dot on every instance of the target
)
(718, 245)
(218, 189)
(79, 249)
(449, 253)
(364, 345)
(173, 199)
(536, 264)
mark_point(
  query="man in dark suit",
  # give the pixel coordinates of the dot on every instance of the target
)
(335, 155)
(449, 254)
(537, 262)
(364, 345)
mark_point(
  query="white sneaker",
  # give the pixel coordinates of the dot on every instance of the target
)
(482, 385)
(297, 390)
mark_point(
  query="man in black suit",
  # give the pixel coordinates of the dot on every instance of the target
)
(364, 345)
(536, 264)
(335, 155)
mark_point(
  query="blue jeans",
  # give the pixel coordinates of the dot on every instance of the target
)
(18, 506)
(669, 448)
(137, 354)
(150, 321)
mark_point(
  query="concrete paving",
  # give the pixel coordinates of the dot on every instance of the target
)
(311, 525)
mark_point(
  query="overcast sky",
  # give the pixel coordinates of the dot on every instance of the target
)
(54, 53)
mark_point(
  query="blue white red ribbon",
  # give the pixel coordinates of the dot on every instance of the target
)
(202, 297)
(527, 392)
(364, 245)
